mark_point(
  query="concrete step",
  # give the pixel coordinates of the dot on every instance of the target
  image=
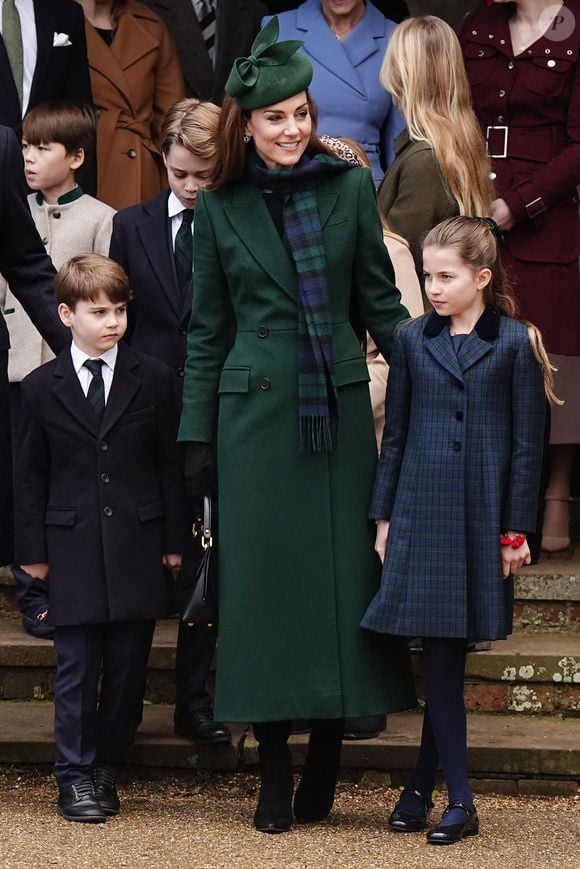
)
(502, 749)
(547, 596)
(528, 673)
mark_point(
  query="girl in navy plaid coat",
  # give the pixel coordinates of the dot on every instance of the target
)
(458, 478)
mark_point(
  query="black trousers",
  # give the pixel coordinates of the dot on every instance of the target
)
(93, 726)
(193, 660)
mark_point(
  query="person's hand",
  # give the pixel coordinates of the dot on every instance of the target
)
(200, 470)
(513, 559)
(501, 213)
(36, 571)
(381, 539)
(172, 561)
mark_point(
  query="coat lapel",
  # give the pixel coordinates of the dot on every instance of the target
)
(250, 220)
(44, 37)
(184, 26)
(153, 234)
(69, 392)
(124, 387)
(479, 342)
(441, 348)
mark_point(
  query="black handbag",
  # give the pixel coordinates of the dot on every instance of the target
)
(195, 593)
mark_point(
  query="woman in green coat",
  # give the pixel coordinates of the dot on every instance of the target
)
(289, 239)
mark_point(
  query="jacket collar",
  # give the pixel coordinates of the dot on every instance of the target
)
(487, 327)
(478, 343)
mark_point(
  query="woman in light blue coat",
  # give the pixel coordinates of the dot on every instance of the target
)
(346, 44)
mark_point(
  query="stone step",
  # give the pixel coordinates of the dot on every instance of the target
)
(547, 597)
(528, 673)
(504, 749)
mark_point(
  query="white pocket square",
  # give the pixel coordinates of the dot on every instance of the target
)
(60, 39)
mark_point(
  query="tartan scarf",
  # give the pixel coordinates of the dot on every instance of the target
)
(317, 398)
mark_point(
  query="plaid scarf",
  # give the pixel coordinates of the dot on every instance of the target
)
(317, 398)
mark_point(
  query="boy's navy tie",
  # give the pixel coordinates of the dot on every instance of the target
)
(96, 393)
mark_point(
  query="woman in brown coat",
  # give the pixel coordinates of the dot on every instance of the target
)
(135, 79)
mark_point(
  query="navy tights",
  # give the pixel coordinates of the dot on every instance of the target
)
(444, 735)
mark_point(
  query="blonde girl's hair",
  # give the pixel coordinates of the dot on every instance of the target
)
(193, 125)
(474, 242)
(423, 69)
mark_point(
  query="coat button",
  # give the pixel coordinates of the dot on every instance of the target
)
(551, 63)
(104, 446)
(459, 415)
(265, 383)
(510, 65)
(108, 511)
(183, 330)
(500, 119)
(56, 215)
(105, 478)
(492, 176)
(502, 93)
(131, 153)
(262, 332)
(481, 52)
(455, 446)
(181, 371)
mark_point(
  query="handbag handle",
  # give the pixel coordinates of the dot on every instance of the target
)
(206, 538)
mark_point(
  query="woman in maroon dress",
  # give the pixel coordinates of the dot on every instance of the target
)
(523, 63)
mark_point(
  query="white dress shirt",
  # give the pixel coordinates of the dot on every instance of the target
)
(29, 46)
(79, 358)
(175, 213)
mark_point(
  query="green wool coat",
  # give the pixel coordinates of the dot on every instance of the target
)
(296, 563)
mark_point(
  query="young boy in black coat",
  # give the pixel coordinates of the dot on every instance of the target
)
(98, 508)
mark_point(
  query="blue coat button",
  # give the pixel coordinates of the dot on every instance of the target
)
(108, 511)
(456, 446)
(459, 415)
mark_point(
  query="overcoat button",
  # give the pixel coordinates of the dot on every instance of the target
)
(131, 153)
(108, 511)
(105, 478)
(456, 446)
(262, 332)
(510, 65)
(547, 51)
(502, 41)
(181, 372)
(569, 51)
(500, 119)
(265, 383)
(474, 32)
(45, 241)
(502, 93)
(459, 415)
(493, 176)
(480, 53)
(551, 63)
(56, 214)
(104, 446)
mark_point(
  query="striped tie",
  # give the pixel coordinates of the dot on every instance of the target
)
(12, 37)
(96, 393)
(207, 24)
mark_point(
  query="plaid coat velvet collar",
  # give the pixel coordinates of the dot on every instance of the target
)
(487, 327)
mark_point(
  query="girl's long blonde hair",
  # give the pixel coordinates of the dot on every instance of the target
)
(474, 242)
(424, 71)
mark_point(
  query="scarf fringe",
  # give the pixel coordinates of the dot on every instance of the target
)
(318, 434)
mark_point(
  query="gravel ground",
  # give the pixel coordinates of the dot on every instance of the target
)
(205, 823)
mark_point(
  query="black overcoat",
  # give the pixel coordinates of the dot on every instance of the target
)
(100, 502)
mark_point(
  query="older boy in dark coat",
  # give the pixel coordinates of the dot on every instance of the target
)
(98, 506)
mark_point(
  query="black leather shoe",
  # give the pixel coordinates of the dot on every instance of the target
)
(78, 803)
(104, 781)
(405, 822)
(368, 727)
(452, 833)
(200, 727)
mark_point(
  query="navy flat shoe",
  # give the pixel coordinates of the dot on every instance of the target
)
(405, 822)
(451, 833)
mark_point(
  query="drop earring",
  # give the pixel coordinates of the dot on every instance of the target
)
(247, 138)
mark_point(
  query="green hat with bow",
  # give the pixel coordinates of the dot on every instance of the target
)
(274, 71)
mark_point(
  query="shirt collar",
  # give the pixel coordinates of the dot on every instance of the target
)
(79, 357)
(174, 206)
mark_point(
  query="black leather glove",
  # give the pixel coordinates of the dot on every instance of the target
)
(200, 470)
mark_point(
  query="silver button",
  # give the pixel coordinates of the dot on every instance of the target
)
(502, 93)
(480, 53)
(500, 119)
(490, 36)
(551, 63)
(569, 51)
(502, 42)
(474, 32)
(510, 65)
(493, 176)
(547, 51)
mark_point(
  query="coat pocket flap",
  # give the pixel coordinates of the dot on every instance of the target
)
(152, 510)
(350, 371)
(234, 380)
(60, 516)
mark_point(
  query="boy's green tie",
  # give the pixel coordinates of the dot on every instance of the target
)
(184, 251)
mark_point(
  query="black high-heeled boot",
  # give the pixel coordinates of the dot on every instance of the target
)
(274, 811)
(315, 793)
